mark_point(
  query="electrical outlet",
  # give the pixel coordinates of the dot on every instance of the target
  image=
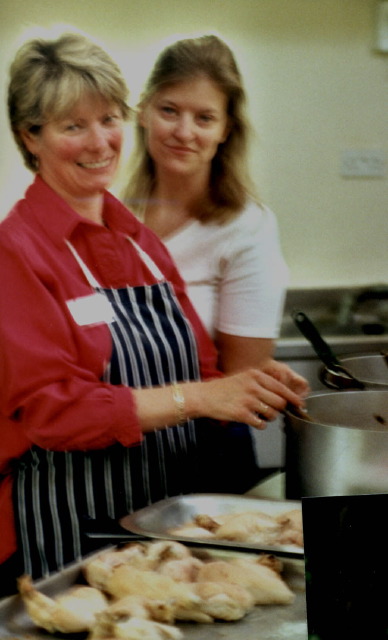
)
(363, 163)
(382, 26)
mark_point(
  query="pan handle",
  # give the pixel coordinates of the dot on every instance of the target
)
(320, 346)
(333, 374)
(339, 379)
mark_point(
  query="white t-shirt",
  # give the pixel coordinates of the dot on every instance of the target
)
(235, 273)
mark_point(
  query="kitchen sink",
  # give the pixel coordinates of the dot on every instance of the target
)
(350, 319)
(329, 327)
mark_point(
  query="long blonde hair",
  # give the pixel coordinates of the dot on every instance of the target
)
(230, 185)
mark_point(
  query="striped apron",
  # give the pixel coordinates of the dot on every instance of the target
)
(153, 344)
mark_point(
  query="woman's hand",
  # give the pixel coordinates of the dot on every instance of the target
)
(282, 372)
(251, 396)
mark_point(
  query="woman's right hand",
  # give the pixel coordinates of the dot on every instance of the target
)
(251, 396)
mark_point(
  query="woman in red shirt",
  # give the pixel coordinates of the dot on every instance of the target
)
(111, 399)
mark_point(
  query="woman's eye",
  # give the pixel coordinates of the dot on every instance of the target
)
(72, 126)
(206, 118)
(112, 118)
(168, 111)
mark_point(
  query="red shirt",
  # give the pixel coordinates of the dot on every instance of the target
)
(51, 368)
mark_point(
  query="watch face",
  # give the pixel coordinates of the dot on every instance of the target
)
(346, 562)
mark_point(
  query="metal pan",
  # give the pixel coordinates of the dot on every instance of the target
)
(158, 519)
(344, 451)
(272, 621)
(370, 369)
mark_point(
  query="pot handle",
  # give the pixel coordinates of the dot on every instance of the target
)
(339, 379)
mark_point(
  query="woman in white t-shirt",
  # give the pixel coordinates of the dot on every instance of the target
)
(189, 183)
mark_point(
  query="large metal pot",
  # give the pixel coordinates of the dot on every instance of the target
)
(370, 370)
(342, 448)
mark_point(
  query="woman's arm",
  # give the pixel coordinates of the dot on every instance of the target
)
(242, 397)
(237, 353)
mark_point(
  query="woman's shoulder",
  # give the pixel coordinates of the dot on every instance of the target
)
(253, 222)
(13, 227)
(254, 216)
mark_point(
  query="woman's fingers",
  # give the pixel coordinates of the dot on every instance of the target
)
(294, 381)
(252, 396)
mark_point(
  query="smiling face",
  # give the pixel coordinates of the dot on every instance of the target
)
(78, 153)
(184, 125)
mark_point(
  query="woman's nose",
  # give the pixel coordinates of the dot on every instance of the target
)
(184, 127)
(96, 137)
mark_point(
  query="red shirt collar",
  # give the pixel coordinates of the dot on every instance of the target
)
(58, 220)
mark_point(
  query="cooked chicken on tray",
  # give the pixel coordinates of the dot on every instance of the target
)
(246, 526)
(142, 590)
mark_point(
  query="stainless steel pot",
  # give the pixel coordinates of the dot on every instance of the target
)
(342, 448)
(371, 370)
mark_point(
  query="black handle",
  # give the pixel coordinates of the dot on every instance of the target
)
(335, 376)
(320, 346)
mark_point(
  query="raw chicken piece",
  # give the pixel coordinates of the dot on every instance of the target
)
(292, 527)
(72, 611)
(246, 526)
(142, 556)
(185, 570)
(206, 522)
(253, 526)
(191, 531)
(264, 584)
(165, 550)
(271, 561)
(134, 607)
(126, 580)
(224, 601)
(98, 569)
(135, 629)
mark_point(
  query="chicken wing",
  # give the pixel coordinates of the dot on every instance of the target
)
(134, 629)
(72, 611)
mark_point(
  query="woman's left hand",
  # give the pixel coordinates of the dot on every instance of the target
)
(282, 372)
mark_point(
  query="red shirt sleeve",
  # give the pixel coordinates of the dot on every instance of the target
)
(51, 375)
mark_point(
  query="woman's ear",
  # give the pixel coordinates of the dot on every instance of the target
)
(227, 130)
(141, 118)
(30, 140)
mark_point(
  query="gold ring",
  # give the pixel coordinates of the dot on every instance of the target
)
(258, 422)
(264, 409)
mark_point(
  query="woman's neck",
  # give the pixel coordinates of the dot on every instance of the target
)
(172, 204)
(89, 208)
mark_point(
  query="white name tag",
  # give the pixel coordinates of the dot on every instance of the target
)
(92, 309)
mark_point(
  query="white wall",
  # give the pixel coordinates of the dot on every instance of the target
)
(316, 87)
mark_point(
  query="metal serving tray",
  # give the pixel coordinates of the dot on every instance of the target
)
(159, 518)
(267, 622)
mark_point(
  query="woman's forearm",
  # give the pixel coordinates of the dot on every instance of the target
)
(251, 396)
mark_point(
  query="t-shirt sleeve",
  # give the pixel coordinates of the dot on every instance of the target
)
(254, 278)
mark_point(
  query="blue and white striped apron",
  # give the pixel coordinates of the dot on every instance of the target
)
(153, 344)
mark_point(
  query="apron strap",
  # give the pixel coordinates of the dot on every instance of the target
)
(85, 270)
(145, 258)
(150, 264)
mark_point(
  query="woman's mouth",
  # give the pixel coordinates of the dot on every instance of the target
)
(95, 165)
(182, 150)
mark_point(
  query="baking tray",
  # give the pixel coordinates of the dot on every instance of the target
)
(267, 622)
(156, 520)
